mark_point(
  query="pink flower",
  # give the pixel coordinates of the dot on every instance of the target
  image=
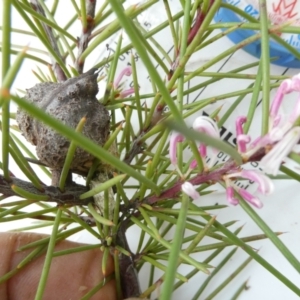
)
(174, 140)
(282, 135)
(202, 124)
(250, 198)
(277, 128)
(280, 127)
(124, 93)
(245, 194)
(208, 126)
(265, 186)
(239, 122)
(271, 162)
(230, 196)
(284, 88)
(287, 86)
(190, 190)
(241, 138)
(125, 72)
(242, 141)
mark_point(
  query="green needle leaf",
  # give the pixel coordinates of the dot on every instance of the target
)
(28, 195)
(174, 253)
(103, 186)
(48, 259)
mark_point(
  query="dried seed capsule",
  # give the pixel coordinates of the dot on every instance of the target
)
(68, 102)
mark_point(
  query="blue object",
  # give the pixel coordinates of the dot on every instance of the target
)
(285, 58)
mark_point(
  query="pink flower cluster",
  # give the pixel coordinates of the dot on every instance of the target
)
(124, 93)
(282, 136)
(265, 186)
(281, 139)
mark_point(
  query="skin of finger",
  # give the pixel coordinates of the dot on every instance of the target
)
(70, 277)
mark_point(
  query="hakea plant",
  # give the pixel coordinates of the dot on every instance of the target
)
(283, 135)
(277, 144)
(128, 142)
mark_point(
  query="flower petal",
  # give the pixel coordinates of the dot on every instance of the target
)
(125, 72)
(285, 87)
(278, 132)
(206, 125)
(230, 196)
(190, 190)
(265, 184)
(193, 164)
(174, 139)
(239, 125)
(250, 198)
(126, 93)
(272, 160)
(242, 140)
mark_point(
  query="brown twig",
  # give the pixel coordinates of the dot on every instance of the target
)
(60, 74)
(198, 21)
(191, 35)
(137, 148)
(129, 277)
(83, 41)
(69, 197)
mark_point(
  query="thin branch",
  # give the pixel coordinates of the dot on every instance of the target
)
(83, 41)
(192, 33)
(129, 277)
(60, 75)
(69, 197)
(136, 148)
(213, 176)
